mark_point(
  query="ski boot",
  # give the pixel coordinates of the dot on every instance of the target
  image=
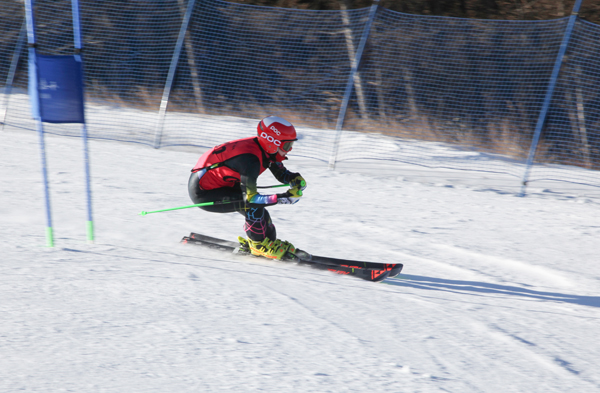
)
(272, 249)
(244, 245)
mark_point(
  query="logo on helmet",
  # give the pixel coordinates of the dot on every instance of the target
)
(275, 129)
(270, 139)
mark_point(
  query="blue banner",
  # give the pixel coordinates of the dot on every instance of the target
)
(60, 89)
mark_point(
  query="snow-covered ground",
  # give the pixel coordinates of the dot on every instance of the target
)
(499, 293)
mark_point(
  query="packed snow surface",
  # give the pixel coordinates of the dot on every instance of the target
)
(499, 293)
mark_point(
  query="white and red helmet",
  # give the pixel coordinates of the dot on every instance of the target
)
(276, 133)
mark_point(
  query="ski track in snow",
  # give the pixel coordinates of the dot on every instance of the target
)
(498, 293)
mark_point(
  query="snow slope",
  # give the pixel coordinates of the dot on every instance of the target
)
(499, 293)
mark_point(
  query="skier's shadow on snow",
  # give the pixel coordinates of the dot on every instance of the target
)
(457, 286)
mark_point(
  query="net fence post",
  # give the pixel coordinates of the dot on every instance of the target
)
(348, 92)
(164, 102)
(581, 128)
(189, 48)
(349, 36)
(12, 71)
(549, 93)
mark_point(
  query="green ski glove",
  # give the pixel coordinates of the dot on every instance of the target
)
(298, 182)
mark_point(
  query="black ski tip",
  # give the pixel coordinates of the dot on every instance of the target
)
(369, 275)
(379, 275)
(395, 270)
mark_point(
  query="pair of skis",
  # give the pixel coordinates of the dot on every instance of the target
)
(371, 271)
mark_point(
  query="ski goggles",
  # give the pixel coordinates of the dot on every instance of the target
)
(287, 145)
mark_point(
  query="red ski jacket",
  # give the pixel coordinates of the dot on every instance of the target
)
(218, 175)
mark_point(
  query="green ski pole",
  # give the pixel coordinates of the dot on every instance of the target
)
(143, 213)
(274, 186)
(281, 185)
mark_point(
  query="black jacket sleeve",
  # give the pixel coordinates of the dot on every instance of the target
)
(248, 166)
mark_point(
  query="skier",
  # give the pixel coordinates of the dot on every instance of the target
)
(227, 174)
